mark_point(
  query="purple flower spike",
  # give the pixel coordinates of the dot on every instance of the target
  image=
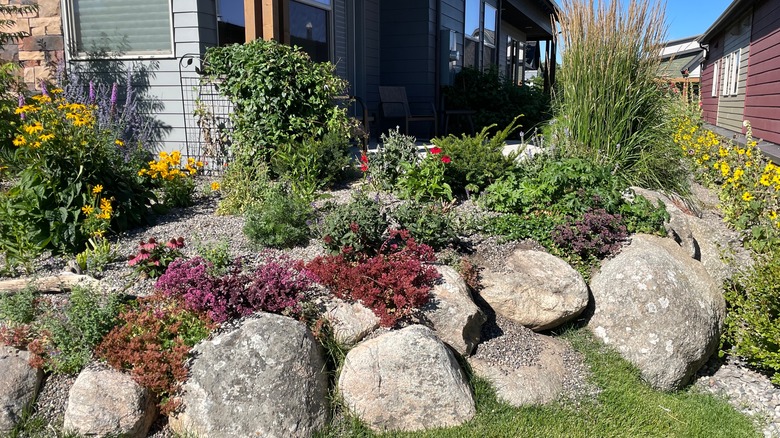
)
(44, 90)
(91, 92)
(114, 91)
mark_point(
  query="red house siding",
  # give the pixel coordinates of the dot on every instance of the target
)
(762, 101)
(709, 103)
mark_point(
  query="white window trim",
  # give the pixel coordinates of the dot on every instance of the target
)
(69, 31)
(735, 73)
(726, 75)
(715, 78)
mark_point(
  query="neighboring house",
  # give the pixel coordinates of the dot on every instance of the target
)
(680, 63)
(741, 71)
(419, 44)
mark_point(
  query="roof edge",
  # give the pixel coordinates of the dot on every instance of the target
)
(722, 21)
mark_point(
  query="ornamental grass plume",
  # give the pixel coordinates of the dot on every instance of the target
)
(609, 107)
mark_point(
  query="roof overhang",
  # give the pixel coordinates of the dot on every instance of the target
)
(726, 19)
(532, 17)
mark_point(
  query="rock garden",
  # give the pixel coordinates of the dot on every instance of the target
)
(610, 280)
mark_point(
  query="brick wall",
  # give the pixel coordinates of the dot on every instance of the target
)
(39, 53)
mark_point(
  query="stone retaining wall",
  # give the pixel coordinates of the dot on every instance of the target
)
(39, 53)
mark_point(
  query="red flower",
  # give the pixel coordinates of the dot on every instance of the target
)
(363, 158)
(445, 159)
(364, 167)
(435, 150)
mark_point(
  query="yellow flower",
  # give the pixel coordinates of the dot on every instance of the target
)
(87, 209)
(119, 142)
(773, 215)
(105, 206)
(723, 152)
(214, 186)
(47, 137)
(98, 233)
(97, 189)
(56, 90)
(738, 173)
(32, 129)
(35, 145)
(747, 197)
(705, 157)
(19, 141)
(725, 169)
(741, 151)
(764, 180)
(199, 163)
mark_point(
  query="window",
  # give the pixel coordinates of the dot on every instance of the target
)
(140, 27)
(480, 32)
(310, 27)
(731, 73)
(489, 36)
(715, 78)
(472, 34)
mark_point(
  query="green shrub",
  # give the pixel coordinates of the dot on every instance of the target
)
(311, 164)
(430, 224)
(424, 179)
(241, 187)
(281, 220)
(610, 108)
(18, 308)
(280, 97)
(496, 100)
(753, 316)
(358, 226)
(387, 164)
(97, 256)
(216, 253)
(70, 334)
(477, 161)
(10, 88)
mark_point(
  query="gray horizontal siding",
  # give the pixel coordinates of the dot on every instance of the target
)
(731, 108)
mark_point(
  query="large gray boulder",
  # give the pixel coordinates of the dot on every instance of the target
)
(405, 380)
(452, 312)
(19, 384)
(109, 403)
(700, 230)
(659, 308)
(266, 378)
(535, 289)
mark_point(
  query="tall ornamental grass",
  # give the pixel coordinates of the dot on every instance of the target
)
(609, 106)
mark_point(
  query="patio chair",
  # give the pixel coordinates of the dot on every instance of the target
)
(395, 105)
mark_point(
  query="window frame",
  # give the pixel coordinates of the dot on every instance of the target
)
(70, 38)
(715, 78)
(731, 66)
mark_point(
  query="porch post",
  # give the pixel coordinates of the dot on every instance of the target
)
(253, 20)
(263, 19)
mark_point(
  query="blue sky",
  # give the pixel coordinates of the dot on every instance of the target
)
(692, 17)
(684, 17)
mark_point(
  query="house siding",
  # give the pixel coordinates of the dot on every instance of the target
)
(709, 103)
(194, 30)
(762, 103)
(340, 29)
(731, 108)
(408, 46)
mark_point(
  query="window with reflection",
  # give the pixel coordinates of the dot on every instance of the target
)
(489, 36)
(472, 33)
(310, 27)
(480, 33)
